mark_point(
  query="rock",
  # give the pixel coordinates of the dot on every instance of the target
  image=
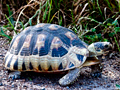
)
(1, 84)
(42, 88)
(108, 85)
(67, 87)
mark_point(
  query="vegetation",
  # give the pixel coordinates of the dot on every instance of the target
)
(91, 20)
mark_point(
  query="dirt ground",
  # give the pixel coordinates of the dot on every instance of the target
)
(34, 81)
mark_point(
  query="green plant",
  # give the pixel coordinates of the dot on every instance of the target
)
(118, 86)
(5, 35)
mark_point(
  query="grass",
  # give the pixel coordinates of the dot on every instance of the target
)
(91, 20)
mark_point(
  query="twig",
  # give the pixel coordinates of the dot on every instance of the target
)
(19, 17)
(81, 11)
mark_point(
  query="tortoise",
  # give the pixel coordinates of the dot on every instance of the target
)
(52, 48)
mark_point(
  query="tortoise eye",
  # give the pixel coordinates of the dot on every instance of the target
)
(106, 46)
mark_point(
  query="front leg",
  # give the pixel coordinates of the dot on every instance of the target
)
(70, 77)
(96, 70)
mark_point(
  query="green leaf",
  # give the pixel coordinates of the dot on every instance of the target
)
(99, 35)
(117, 29)
(93, 30)
(9, 21)
(3, 34)
(111, 34)
(118, 86)
(109, 24)
(10, 14)
(115, 22)
(30, 21)
(105, 40)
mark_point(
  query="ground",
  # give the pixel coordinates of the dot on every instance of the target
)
(36, 81)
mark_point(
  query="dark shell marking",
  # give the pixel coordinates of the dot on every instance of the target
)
(46, 48)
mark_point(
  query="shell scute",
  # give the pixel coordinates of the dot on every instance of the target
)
(8, 65)
(60, 67)
(25, 51)
(50, 68)
(39, 68)
(71, 65)
(53, 27)
(35, 51)
(23, 66)
(30, 66)
(61, 51)
(15, 66)
(43, 51)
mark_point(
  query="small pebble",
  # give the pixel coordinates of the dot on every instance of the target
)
(4, 78)
(12, 86)
(67, 87)
(2, 55)
(1, 84)
(38, 84)
(24, 86)
(43, 88)
(108, 85)
(49, 82)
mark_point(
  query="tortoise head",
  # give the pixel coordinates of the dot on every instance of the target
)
(99, 48)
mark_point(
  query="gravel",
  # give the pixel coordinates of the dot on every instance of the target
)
(38, 81)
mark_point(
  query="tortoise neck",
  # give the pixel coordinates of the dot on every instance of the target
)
(92, 51)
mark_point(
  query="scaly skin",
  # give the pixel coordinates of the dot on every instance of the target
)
(14, 75)
(70, 77)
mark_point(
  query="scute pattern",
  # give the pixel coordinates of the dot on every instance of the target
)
(45, 48)
(15, 66)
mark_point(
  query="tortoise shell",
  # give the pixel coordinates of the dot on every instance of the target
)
(46, 48)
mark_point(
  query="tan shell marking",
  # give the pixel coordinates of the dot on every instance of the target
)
(14, 58)
(70, 35)
(71, 55)
(8, 59)
(52, 27)
(15, 44)
(26, 28)
(40, 41)
(27, 61)
(34, 59)
(55, 62)
(73, 58)
(44, 63)
(56, 42)
(64, 61)
(81, 51)
(27, 41)
(20, 62)
(40, 25)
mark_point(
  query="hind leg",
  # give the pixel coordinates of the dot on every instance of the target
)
(96, 70)
(14, 75)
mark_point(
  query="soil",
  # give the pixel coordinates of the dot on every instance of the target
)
(36, 81)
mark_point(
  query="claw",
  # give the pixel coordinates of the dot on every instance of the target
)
(96, 74)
